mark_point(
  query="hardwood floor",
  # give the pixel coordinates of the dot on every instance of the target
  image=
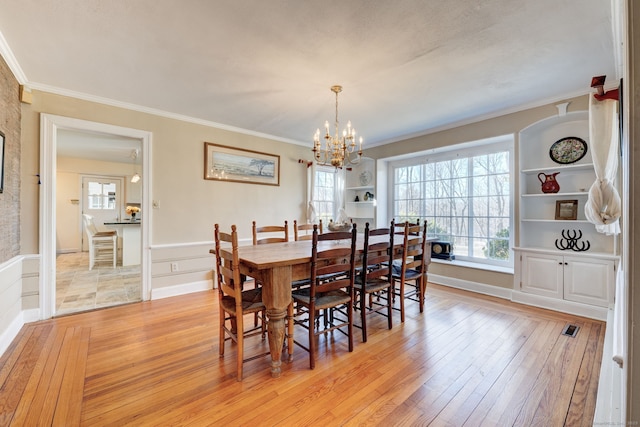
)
(468, 360)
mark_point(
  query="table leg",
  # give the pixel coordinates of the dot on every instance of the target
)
(276, 296)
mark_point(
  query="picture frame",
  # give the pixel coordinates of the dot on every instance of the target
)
(566, 209)
(225, 163)
(1, 162)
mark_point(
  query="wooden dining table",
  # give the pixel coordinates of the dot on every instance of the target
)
(276, 265)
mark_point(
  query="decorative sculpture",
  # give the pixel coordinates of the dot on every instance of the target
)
(570, 241)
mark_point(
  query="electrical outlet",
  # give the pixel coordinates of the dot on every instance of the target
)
(174, 266)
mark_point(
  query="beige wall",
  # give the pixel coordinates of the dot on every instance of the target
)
(189, 205)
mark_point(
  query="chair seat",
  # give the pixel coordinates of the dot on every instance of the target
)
(409, 274)
(251, 302)
(325, 300)
(373, 285)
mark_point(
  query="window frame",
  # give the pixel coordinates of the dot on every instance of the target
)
(505, 143)
(338, 191)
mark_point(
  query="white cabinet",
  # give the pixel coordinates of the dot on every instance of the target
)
(547, 275)
(359, 199)
(582, 279)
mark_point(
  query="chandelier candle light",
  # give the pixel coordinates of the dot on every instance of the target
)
(337, 150)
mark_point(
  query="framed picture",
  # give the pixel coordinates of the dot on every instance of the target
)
(566, 209)
(223, 163)
(1, 162)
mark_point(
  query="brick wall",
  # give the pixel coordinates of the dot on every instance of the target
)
(10, 197)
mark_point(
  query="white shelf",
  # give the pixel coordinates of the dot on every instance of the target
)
(366, 187)
(575, 221)
(557, 195)
(566, 168)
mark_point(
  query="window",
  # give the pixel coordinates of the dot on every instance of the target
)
(324, 190)
(465, 198)
(101, 195)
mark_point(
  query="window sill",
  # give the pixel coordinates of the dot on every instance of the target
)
(474, 265)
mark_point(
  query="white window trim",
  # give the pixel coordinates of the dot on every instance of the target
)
(467, 149)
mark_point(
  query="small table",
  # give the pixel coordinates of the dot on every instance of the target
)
(276, 265)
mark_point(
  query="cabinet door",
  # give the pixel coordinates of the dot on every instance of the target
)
(588, 280)
(542, 274)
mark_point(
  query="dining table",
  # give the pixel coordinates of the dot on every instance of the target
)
(276, 266)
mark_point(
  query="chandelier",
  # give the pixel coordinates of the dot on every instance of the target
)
(337, 150)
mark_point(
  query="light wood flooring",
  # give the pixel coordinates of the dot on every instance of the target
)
(468, 360)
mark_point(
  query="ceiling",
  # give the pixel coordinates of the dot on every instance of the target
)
(408, 67)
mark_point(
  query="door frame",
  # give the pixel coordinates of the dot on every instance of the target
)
(49, 126)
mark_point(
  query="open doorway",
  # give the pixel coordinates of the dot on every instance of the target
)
(72, 149)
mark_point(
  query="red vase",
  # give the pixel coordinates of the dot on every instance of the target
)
(549, 183)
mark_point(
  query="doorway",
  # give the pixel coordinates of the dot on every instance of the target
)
(53, 129)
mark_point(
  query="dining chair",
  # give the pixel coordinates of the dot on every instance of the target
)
(234, 302)
(307, 228)
(103, 244)
(374, 282)
(327, 303)
(409, 265)
(267, 231)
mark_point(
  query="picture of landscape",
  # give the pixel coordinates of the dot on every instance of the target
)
(231, 164)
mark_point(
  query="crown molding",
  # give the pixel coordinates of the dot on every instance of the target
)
(11, 61)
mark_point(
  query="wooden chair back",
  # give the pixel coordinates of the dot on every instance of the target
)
(307, 228)
(270, 229)
(228, 267)
(335, 262)
(413, 264)
(375, 276)
(378, 254)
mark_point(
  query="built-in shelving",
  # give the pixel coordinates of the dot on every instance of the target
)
(544, 274)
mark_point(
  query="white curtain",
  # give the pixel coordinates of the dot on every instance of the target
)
(604, 206)
(339, 195)
(311, 185)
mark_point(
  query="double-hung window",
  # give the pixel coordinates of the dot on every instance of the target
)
(327, 192)
(464, 194)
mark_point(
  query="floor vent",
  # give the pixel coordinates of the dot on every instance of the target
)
(570, 331)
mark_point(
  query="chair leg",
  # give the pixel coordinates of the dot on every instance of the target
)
(240, 338)
(363, 315)
(91, 256)
(222, 333)
(422, 286)
(290, 331)
(389, 307)
(312, 337)
(350, 325)
(115, 251)
(401, 301)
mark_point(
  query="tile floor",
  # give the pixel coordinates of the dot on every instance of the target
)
(80, 289)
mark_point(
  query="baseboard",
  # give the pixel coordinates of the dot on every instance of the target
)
(480, 288)
(11, 332)
(590, 311)
(609, 410)
(182, 289)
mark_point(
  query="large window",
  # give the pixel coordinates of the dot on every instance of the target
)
(464, 196)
